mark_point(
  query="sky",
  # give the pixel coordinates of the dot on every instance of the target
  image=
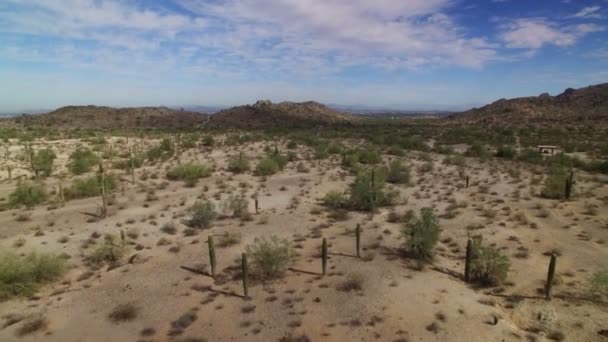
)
(403, 54)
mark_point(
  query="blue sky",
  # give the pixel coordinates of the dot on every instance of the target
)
(404, 54)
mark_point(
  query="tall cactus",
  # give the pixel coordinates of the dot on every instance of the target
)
(212, 259)
(257, 207)
(569, 185)
(104, 200)
(358, 238)
(245, 270)
(324, 256)
(466, 181)
(61, 195)
(550, 276)
(469, 259)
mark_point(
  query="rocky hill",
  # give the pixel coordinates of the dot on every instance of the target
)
(265, 114)
(96, 117)
(571, 106)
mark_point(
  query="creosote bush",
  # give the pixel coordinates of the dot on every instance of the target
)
(398, 173)
(42, 162)
(238, 164)
(489, 266)
(28, 194)
(555, 183)
(203, 214)
(82, 160)
(90, 186)
(422, 234)
(23, 276)
(270, 257)
(267, 167)
(190, 173)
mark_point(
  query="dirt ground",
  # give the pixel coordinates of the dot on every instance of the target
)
(398, 300)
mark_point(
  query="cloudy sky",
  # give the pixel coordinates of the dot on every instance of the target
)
(391, 53)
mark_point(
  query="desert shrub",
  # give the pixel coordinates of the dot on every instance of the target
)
(110, 251)
(42, 162)
(235, 206)
(599, 282)
(426, 167)
(477, 150)
(28, 194)
(135, 161)
(398, 173)
(238, 164)
(229, 239)
(367, 195)
(266, 167)
(82, 160)
(162, 151)
(292, 145)
(353, 282)
(530, 155)
(203, 214)
(421, 234)
(23, 276)
(369, 156)
(123, 313)
(555, 183)
(208, 141)
(455, 159)
(188, 141)
(488, 266)
(90, 187)
(320, 152)
(270, 257)
(506, 151)
(189, 172)
(335, 200)
(396, 150)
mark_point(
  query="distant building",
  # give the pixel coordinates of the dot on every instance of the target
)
(547, 149)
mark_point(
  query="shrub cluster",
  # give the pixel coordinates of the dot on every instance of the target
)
(190, 173)
(270, 257)
(421, 234)
(82, 160)
(22, 276)
(28, 194)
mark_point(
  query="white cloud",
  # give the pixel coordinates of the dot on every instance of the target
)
(534, 33)
(589, 12)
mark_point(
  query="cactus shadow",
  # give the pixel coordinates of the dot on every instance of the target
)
(303, 271)
(344, 255)
(194, 270)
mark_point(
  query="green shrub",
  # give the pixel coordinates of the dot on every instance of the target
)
(396, 150)
(90, 187)
(477, 150)
(82, 160)
(507, 152)
(398, 173)
(208, 141)
(422, 234)
(238, 164)
(366, 196)
(335, 200)
(110, 251)
(599, 282)
(555, 183)
(136, 162)
(267, 167)
(42, 162)
(203, 214)
(455, 159)
(488, 266)
(23, 276)
(189, 172)
(28, 194)
(270, 257)
(235, 206)
(163, 151)
(530, 155)
(369, 156)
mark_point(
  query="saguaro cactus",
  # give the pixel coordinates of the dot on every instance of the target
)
(245, 270)
(61, 196)
(358, 237)
(324, 256)
(212, 259)
(466, 181)
(469, 259)
(104, 201)
(257, 207)
(550, 276)
(132, 167)
(569, 185)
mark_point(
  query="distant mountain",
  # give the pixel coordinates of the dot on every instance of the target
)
(573, 105)
(265, 114)
(95, 117)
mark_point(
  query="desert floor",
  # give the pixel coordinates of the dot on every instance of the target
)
(398, 301)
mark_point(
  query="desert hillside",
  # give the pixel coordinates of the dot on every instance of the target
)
(265, 114)
(99, 117)
(589, 103)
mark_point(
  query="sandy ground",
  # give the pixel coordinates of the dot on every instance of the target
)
(398, 301)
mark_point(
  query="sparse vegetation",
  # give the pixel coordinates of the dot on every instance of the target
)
(23, 276)
(28, 194)
(421, 234)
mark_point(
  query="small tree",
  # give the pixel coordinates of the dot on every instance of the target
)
(270, 257)
(488, 266)
(422, 234)
(555, 183)
(203, 214)
(27, 194)
(398, 173)
(42, 162)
